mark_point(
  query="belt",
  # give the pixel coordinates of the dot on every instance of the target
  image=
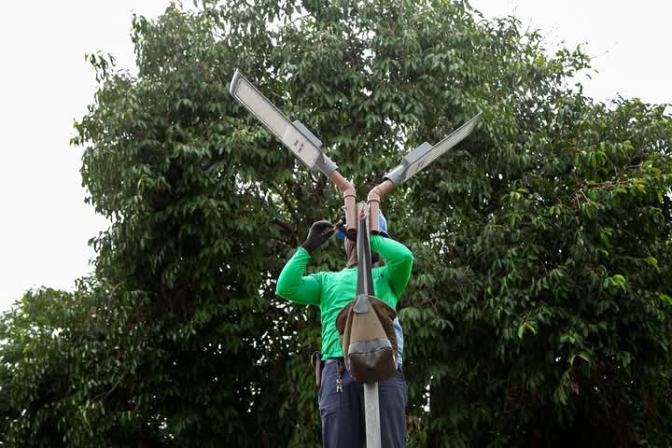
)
(341, 360)
(332, 360)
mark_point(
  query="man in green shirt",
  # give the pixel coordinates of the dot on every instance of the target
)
(341, 399)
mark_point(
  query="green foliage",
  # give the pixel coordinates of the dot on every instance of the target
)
(70, 361)
(539, 309)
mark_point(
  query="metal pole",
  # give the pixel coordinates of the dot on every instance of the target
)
(365, 286)
(372, 415)
(306, 147)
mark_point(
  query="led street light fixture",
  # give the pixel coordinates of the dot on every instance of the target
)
(425, 154)
(295, 136)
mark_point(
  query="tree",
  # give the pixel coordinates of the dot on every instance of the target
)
(70, 361)
(538, 312)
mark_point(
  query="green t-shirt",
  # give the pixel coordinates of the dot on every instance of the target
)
(331, 291)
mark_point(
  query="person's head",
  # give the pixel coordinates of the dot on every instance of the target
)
(351, 246)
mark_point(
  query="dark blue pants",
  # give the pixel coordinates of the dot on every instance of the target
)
(342, 413)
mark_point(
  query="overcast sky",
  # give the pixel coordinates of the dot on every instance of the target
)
(45, 85)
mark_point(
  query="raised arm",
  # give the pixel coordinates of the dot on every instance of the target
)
(294, 286)
(398, 258)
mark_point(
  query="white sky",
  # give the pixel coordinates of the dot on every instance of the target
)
(45, 85)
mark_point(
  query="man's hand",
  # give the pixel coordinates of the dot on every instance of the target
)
(341, 230)
(319, 233)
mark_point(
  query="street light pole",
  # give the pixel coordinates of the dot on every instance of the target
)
(363, 216)
(365, 287)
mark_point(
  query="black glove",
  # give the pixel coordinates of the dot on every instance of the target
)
(319, 232)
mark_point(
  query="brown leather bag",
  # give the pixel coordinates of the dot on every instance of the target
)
(367, 339)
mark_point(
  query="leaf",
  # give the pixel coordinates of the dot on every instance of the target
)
(664, 297)
(605, 234)
(582, 355)
(527, 325)
(653, 262)
(620, 281)
(567, 337)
